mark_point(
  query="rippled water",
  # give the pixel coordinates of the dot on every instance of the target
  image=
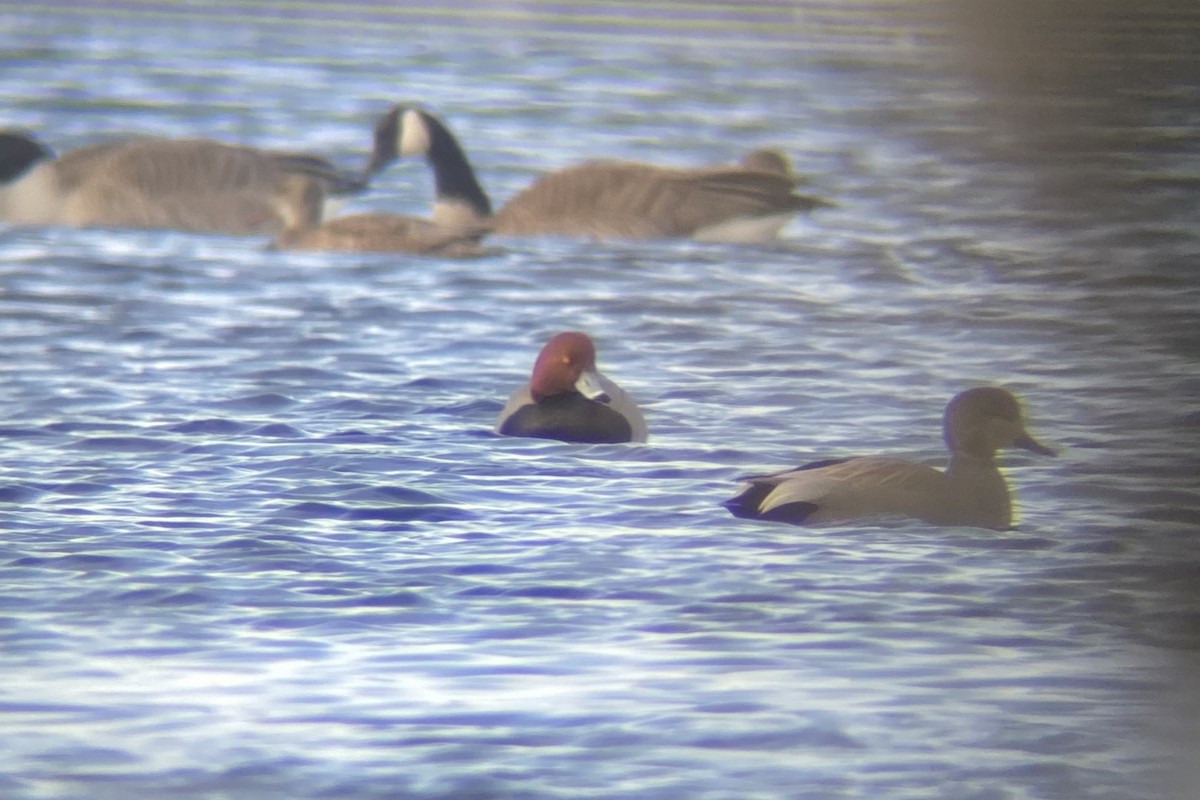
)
(260, 542)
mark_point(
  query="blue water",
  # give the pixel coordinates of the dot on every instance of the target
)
(259, 541)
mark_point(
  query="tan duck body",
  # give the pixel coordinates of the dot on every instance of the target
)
(971, 491)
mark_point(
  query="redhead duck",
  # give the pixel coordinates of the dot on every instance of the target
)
(568, 399)
(971, 491)
(601, 199)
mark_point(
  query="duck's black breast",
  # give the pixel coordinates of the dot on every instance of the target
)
(568, 417)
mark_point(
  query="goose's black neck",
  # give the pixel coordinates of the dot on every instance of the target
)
(454, 179)
(18, 153)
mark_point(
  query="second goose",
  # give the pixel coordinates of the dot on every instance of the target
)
(461, 215)
(601, 199)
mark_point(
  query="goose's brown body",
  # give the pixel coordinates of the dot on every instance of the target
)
(194, 185)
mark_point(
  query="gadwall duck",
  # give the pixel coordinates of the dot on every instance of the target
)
(971, 491)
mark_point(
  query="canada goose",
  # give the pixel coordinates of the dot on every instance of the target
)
(568, 399)
(601, 199)
(386, 233)
(195, 185)
(461, 214)
(971, 491)
(765, 159)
